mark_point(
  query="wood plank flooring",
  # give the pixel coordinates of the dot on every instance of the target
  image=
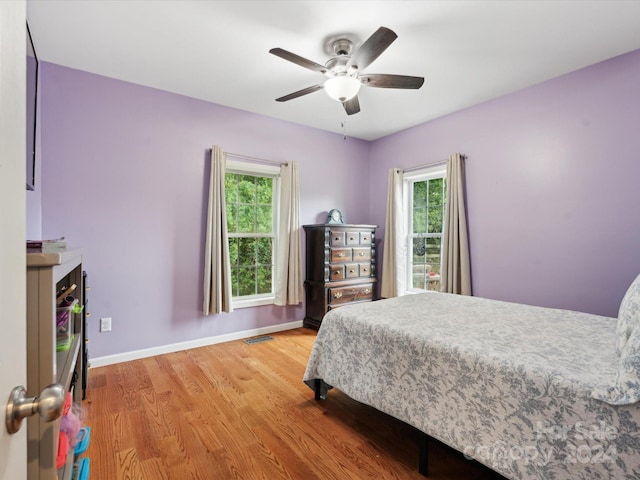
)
(238, 411)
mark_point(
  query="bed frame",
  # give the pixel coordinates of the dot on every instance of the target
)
(321, 389)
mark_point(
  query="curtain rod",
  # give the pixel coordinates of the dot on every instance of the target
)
(255, 159)
(432, 164)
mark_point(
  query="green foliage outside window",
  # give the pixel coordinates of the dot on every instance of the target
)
(249, 209)
(429, 198)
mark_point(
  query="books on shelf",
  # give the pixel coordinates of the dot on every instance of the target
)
(46, 246)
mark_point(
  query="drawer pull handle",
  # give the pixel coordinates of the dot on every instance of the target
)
(351, 271)
(351, 238)
(341, 254)
(364, 270)
(337, 295)
(367, 290)
(361, 254)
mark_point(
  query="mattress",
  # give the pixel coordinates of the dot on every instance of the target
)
(506, 384)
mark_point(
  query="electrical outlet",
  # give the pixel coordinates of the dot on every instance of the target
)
(105, 324)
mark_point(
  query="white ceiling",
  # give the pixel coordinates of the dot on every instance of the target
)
(468, 51)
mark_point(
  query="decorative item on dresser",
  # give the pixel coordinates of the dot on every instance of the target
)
(340, 268)
(335, 216)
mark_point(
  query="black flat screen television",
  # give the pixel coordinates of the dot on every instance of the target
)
(32, 110)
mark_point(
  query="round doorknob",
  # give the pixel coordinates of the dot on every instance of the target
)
(49, 405)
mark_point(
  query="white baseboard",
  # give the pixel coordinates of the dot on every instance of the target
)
(200, 342)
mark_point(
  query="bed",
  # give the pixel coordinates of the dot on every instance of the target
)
(531, 392)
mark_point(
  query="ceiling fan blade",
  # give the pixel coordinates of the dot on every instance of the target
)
(351, 106)
(381, 80)
(300, 93)
(372, 48)
(298, 60)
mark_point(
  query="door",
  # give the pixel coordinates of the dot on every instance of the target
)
(13, 347)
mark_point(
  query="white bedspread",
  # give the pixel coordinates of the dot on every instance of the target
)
(506, 384)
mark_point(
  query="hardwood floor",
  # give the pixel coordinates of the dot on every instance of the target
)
(238, 411)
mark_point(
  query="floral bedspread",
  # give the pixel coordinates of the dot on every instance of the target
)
(506, 384)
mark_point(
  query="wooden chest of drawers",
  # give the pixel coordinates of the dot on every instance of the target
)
(340, 268)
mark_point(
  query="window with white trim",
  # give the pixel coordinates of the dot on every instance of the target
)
(251, 196)
(425, 198)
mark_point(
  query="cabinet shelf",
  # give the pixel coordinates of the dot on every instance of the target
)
(46, 274)
(66, 362)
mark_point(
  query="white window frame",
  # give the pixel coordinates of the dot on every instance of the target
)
(428, 173)
(272, 171)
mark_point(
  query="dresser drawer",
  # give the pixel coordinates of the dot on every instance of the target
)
(365, 238)
(353, 238)
(336, 238)
(361, 254)
(341, 295)
(340, 255)
(352, 270)
(364, 269)
(337, 272)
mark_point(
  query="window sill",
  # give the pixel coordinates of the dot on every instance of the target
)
(253, 302)
(416, 291)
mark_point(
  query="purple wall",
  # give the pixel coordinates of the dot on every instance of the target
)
(553, 184)
(552, 180)
(125, 176)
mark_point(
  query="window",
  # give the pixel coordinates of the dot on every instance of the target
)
(425, 198)
(251, 193)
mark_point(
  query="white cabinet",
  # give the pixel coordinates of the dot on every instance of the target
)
(46, 274)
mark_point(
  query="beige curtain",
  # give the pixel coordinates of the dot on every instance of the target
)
(456, 268)
(217, 270)
(289, 289)
(393, 282)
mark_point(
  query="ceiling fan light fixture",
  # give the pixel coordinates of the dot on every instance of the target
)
(342, 87)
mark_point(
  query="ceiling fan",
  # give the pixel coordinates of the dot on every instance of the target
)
(344, 71)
